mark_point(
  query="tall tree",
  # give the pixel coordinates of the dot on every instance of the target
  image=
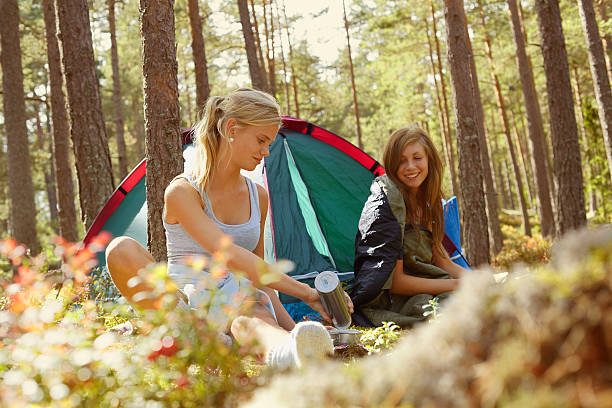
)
(601, 82)
(92, 156)
(352, 73)
(61, 133)
(199, 54)
(283, 61)
(262, 63)
(257, 79)
(506, 125)
(22, 213)
(589, 165)
(117, 101)
(534, 123)
(48, 171)
(566, 150)
(495, 233)
(473, 208)
(269, 32)
(444, 100)
(162, 120)
(291, 65)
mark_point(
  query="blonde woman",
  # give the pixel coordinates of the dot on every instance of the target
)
(213, 201)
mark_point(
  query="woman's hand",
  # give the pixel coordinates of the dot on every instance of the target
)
(314, 301)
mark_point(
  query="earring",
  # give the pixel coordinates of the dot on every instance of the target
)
(231, 139)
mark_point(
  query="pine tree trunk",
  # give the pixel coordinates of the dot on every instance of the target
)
(541, 152)
(269, 32)
(117, 101)
(502, 111)
(566, 150)
(284, 62)
(601, 82)
(47, 174)
(443, 107)
(473, 208)
(61, 132)
(441, 118)
(352, 73)
(22, 211)
(291, 66)
(495, 234)
(199, 54)
(260, 57)
(162, 120)
(92, 157)
(589, 167)
(606, 39)
(249, 44)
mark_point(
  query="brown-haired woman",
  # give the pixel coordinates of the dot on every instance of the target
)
(400, 263)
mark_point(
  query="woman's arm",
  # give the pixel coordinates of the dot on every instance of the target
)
(182, 203)
(284, 319)
(408, 285)
(442, 261)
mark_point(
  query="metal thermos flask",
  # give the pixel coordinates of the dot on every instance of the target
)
(333, 300)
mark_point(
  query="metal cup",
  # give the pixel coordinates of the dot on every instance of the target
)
(333, 300)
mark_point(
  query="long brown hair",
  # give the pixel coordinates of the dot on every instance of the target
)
(249, 107)
(429, 196)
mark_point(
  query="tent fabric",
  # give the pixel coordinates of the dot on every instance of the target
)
(317, 183)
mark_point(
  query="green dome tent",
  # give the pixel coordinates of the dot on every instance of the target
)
(317, 183)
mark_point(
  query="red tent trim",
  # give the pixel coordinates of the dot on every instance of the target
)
(115, 199)
(334, 140)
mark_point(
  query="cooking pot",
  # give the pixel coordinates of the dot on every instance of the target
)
(345, 336)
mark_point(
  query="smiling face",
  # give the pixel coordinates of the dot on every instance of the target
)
(414, 166)
(251, 144)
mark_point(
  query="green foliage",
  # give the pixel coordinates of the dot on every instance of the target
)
(56, 347)
(381, 338)
(532, 251)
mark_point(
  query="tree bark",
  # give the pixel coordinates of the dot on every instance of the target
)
(284, 62)
(566, 150)
(443, 126)
(162, 120)
(255, 71)
(601, 82)
(260, 57)
(92, 156)
(117, 101)
(453, 161)
(589, 166)
(22, 211)
(291, 66)
(48, 176)
(269, 32)
(61, 133)
(541, 151)
(352, 73)
(473, 208)
(606, 40)
(199, 54)
(495, 234)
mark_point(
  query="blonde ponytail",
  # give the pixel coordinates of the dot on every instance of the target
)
(249, 107)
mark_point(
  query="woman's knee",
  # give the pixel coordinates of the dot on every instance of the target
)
(119, 248)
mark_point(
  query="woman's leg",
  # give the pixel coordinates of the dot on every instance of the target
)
(124, 258)
(308, 341)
